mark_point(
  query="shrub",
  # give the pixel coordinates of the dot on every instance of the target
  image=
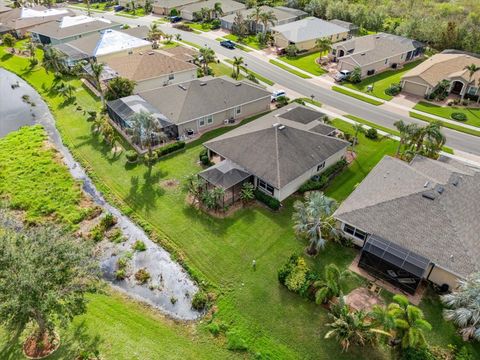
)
(235, 342)
(132, 156)
(139, 245)
(371, 133)
(355, 76)
(291, 50)
(120, 274)
(116, 236)
(464, 354)
(459, 116)
(214, 328)
(394, 89)
(107, 221)
(122, 263)
(324, 178)
(142, 276)
(271, 202)
(298, 276)
(199, 301)
(183, 27)
(204, 159)
(173, 300)
(286, 269)
(281, 102)
(411, 353)
(167, 149)
(215, 24)
(96, 234)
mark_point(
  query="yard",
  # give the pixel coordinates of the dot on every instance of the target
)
(138, 12)
(305, 62)
(382, 81)
(95, 7)
(250, 40)
(472, 114)
(273, 322)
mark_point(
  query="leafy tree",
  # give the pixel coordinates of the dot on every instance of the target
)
(463, 307)
(313, 220)
(330, 286)
(239, 26)
(207, 56)
(194, 185)
(9, 41)
(291, 50)
(247, 193)
(217, 10)
(237, 65)
(148, 7)
(357, 128)
(119, 87)
(145, 130)
(44, 275)
(410, 324)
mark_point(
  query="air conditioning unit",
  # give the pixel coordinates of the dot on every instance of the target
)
(225, 121)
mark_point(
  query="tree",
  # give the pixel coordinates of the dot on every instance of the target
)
(239, 26)
(217, 10)
(330, 286)
(31, 48)
(429, 139)
(247, 193)
(204, 14)
(267, 17)
(255, 17)
(463, 307)
(405, 131)
(194, 185)
(410, 324)
(119, 87)
(44, 275)
(65, 89)
(144, 131)
(169, 38)
(357, 128)
(154, 33)
(9, 41)
(89, 11)
(324, 45)
(237, 65)
(148, 7)
(207, 56)
(291, 50)
(472, 69)
(356, 75)
(53, 60)
(95, 75)
(382, 318)
(313, 220)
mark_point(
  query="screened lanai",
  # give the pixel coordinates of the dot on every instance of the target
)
(393, 263)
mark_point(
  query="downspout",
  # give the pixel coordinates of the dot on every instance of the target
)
(430, 272)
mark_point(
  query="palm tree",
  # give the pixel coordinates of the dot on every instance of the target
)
(178, 37)
(330, 286)
(207, 56)
(194, 185)
(267, 17)
(313, 220)
(53, 59)
(237, 65)
(31, 48)
(205, 13)
(87, 2)
(119, 87)
(324, 46)
(410, 324)
(144, 131)
(382, 318)
(65, 89)
(357, 128)
(403, 130)
(430, 135)
(255, 16)
(154, 33)
(96, 74)
(472, 69)
(169, 38)
(217, 10)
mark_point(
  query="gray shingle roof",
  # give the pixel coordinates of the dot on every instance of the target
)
(390, 203)
(227, 6)
(308, 29)
(277, 154)
(14, 19)
(225, 174)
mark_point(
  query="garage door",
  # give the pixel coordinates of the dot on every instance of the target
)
(415, 89)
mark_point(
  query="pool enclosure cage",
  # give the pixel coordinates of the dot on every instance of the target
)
(393, 263)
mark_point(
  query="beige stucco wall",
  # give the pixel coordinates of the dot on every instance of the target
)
(247, 110)
(282, 42)
(440, 276)
(161, 81)
(104, 58)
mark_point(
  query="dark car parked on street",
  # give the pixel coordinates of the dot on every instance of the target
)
(228, 44)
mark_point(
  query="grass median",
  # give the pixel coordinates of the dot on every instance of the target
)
(366, 99)
(289, 69)
(445, 124)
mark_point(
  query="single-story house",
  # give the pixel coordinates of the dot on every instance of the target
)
(352, 28)
(190, 11)
(151, 69)
(282, 14)
(19, 21)
(304, 33)
(195, 106)
(280, 151)
(102, 46)
(70, 28)
(424, 78)
(416, 221)
(164, 7)
(375, 53)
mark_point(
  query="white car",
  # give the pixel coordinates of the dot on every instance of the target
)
(342, 75)
(277, 94)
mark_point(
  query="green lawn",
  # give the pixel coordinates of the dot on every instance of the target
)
(220, 69)
(382, 81)
(305, 62)
(289, 69)
(473, 114)
(444, 124)
(257, 75)
(250, 40)
(200, 26)
(345, 91)
(192, 44)
(132, 14)
(97, 7)
(274, 322)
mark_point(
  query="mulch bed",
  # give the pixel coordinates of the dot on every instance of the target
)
(32, 350)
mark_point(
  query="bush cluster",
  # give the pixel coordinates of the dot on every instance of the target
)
(271, 202)
(371, 133)
(199, 301)
(459, 116)
(142, 276)
(235, 342)
(215, 24)
(167, 149)
(97, 233)
(294, 274)
(203, 156)
(394, 89)
(131, 155)
(139, 245)
(324, 178)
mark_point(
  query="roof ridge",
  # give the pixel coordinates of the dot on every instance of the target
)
(277, 154)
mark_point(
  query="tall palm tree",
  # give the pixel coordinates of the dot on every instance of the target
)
(31, 47)
(255, 17)
(154, 33)
(237, 65)
(217, 10)
(207, 56)
(144, 131)
(267, 17)
(205, 13)
(89, 11)
(472, 69)
(313, 220)
(96, 74)
(430, 134)
(410, 324)
(382, 318)
(357, 128)
(406, 132)
(330, 286)
(324, 45)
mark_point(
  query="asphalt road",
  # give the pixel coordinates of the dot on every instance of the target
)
(342, 103)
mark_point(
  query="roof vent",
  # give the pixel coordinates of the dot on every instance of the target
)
(140, 53)
(456, 181)
(276, 124)
(281, 127)
(426, 184)
(203, 83)
(238, 84)
(362, 54)
(150, 53)
(440, 189)
(182, 87)
(429, 195)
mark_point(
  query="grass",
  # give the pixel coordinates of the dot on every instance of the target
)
(382, 81)
(345, 91)
(250, 41)
(220, 69)
(140, 12)
(445, 124)
(169, 45)
(219, 251)
(97, 7)
(305, 62)
(192, 44)
(200, 26)
(310, 101)
(289, 69)
(473, 114)
(257, 75)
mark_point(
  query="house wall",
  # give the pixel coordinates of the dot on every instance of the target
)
(441, 276)
(282, 42)
(294, 185)
(106, 57)
(163, 80)
(247, 110)
(129, 2)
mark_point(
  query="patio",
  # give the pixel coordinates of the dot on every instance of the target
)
(362, 299)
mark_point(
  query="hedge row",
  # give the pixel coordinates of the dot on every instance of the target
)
(325, 177)
(167, 149)
(271, 202)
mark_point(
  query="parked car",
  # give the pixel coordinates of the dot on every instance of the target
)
(118, 8)
(342, 75)
(277, 94)
(228, 44)
(175, 19)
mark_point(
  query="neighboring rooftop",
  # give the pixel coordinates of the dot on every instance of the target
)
(280, 13)
(308, 29)
(180, 52)
(140, 32)
(227, 6)
(147, 65)
(170, 4)
(445, 66)
(274, 151)
(21, 18)
(428, 206)
(345, 24)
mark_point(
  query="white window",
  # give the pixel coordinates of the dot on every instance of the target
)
(349, 229)
(266, 187)
(320, 166)
(238, 110)
(171, 76)
(201, 122)
(472, 90)
(209, 119)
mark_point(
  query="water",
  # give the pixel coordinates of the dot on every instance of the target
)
(169, 281)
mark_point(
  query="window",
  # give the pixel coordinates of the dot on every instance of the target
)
(472, 90)
(238, 110)
(359, 234)
(266, 187)
(386, 61)
(321, 166)
(209, 119)
(171, 76)
(201, 122)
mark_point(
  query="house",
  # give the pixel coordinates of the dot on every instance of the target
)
(140, 31)
(304, 33)
(180, 53)
(165, 7)
(151, 69)
(4, 9)
(352, 28)
(102, 46)
(282, 14)
(375, 53)
(193, 107)
(424, 78)
(416, 221)
(69, 28)
(19, 21)
(279, 151)
(191, 11)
